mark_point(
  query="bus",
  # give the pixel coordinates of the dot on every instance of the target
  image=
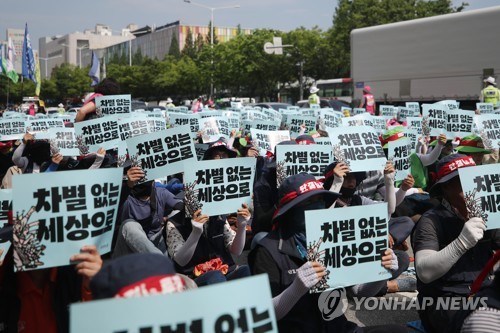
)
(340, 89)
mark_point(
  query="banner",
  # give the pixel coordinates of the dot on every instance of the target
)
(221, 186)
(213, 128)
(233, 119)
(481, 187)
(263, 125)
(193, 120)
(37, 125)
(415, 123)
(329, 119)
(435, 116)
(412, 136)
(295, 122)
(267, 140)
(485, 108)
(65, 141)
(415, 106)
(113, 104)
(325, 141)
(200, 149)
(459, 123)
(349, 242)
(404, 113)
(387, 110)
(449, 104)
(488, 126)
(139, 125)
(359, 147)
(312, 159)
(57, 213)
(251, 311)
(357, 111)
(12, 129)
(162, 153)
(97, 133)
(399, 152)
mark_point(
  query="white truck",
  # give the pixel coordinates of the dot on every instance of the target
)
(443, 57)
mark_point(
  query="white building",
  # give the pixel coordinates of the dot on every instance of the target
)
(76, 48)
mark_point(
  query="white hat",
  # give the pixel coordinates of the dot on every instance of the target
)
(169, 100)
(61, 105)
(491, 80)
(313, 90)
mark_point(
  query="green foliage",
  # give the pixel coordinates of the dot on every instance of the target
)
(174, 48)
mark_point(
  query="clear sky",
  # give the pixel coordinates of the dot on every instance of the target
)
(58, 17)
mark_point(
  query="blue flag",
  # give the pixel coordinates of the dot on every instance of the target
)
(95, 69)
(29, 64)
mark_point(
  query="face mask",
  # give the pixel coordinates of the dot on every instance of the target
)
(142, 190)
(347, 192)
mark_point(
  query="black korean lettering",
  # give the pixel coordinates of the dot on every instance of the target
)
(260, 317)
(52, 230)
(490, 203)
(74, 197)
(366, 252)
(332, 257)
(224, 324)
(232, 191)
(205, 194)
(244, 190)
(349, 253)
(77, 228)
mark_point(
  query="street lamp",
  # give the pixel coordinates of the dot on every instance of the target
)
(212, 9)
(80, 52)
(46, 60)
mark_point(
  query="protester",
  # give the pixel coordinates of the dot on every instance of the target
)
(218, 150)
(31, 154)
(142, 217)
(417, 200)
(201, 243)
(38, 300)
(472, 145)
(450, 246)
(368, 101)
(154, 273)
(197, 105)
(282, 255)
(107, 86)
(6, 152)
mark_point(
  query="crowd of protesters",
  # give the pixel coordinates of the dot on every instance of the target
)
(154, 238)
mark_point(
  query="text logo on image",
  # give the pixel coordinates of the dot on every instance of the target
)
(332, 303)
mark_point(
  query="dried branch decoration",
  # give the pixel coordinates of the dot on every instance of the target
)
(314, 254)
(82, 146)
(473, 205)
(27, 247)
(280, 173)
(339, 156)
(191, 202)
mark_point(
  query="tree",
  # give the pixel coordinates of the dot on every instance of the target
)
(351, 15)
(199, 43)
(174, 49)
(189, 47)
(209, 36)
